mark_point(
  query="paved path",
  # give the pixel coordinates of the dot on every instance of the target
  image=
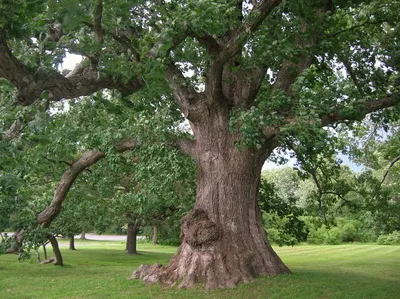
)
(95, 237)
(104, 237)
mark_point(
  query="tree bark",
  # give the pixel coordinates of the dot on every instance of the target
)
(58, 261)
(131, 238)
(72, 243)
(223, 240)
(83, 235)
(155, 234)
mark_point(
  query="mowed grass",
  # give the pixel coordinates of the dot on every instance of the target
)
(98, 269)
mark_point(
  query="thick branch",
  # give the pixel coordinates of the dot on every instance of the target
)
(187, 146)
(240, 88)
(185, 95)
(88, 159)
(14, 131)
(250, 24)
(368, 107)
(208, 41)
(97, 16)
(82, 81)
(232, 43)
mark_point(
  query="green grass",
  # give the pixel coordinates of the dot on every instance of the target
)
(99, 270)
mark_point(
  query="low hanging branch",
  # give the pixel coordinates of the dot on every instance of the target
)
(88, 159)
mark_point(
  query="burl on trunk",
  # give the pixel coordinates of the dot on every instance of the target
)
(223, 240)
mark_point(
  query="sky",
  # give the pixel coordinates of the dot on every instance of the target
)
(292, 161)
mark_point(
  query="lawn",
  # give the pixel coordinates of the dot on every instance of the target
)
(98, 269)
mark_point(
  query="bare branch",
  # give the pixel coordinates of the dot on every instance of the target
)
(14, 131)
(87, 159)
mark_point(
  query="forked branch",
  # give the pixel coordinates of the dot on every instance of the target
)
(32, 83)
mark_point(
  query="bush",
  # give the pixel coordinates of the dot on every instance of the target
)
(382, 240)
(333, 236)
(390, 239)
(367, 236)
(349, 233)
(394, 238)
(317, 236)
(273, 235)
(323, 235)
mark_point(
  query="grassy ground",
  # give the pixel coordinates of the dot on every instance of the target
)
(98, 269)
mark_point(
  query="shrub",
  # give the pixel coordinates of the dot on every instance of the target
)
(333, 236)
(390, 239)
(323, 235)
(317, 236)
(349, 233)
(273, 235)
(367, 236)
(394, 238)
(382, 240)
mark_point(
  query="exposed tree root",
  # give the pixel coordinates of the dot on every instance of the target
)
(49, 260)
(217, 262)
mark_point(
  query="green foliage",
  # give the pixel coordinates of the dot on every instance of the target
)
(349, 233)
(323, 235)
(390, 239)
(281, 216)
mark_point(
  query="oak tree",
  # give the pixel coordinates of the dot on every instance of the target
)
(247, 75)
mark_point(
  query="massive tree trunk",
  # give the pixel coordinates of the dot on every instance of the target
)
(223, 239)
(133, 230)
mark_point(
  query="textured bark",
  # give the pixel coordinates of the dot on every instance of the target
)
(131, 238)
(223, 240)
(82, 81)
(45, 251)
(51, 212)
(57, 259)
(72, 243)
